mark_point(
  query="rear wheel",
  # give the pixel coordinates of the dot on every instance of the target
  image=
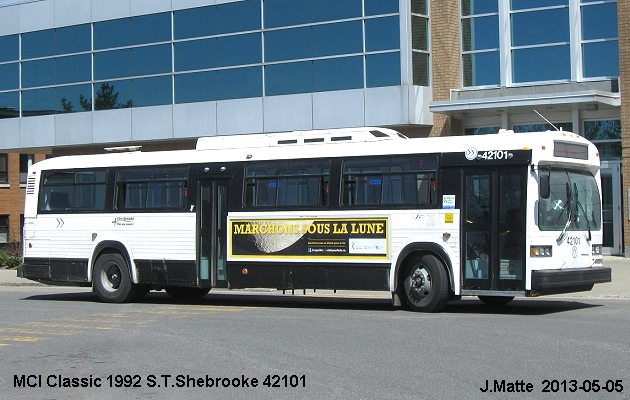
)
(186, 293)
(496, 300)
(424, 284)
(112, 281)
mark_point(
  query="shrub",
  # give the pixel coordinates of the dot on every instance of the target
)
(11, 255)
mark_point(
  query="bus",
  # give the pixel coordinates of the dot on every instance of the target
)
(428, 219)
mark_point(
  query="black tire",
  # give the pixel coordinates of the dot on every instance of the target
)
(423, 284)
(186, 293)
(496, 301)
(112, 281)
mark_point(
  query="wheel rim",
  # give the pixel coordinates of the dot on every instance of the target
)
(111, 276)
(418, 284)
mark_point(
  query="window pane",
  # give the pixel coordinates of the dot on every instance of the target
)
(481, 69)
(111, 95)
(382, 34)
(152, 91)
(609, 129)
(74, 98)
(557, 64)
(74, 39)
(472, 7)
(74, 69)
(419, 33)
(4, 168)
(199, 86)
(239, 50)
(9, 105)
(539, 27)
(115, 33)
(9, 48)
(38, 73)
(38, 102)
(338, 74)
(289, 78)
(38, 44)
(240, 83)
(9, 76)
(196, 54)
(333, 39)
(26, 160)
(112, 64)
(480, 33)
(565, 126)
(239, 16)
(523, 4)
(288, 44)
(419, 7)
(486, 130)
(599, 21)
(151, 59)
(375, 7)
(287, 12)
(327, 10)
(601, 59)
(195, 22)
(4, 229)
(420, 69)
(609, 150)
(383, 69)
(151, 28)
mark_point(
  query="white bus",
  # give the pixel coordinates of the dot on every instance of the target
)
(430, 220)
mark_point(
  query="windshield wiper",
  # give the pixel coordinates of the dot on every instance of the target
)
(581, 208)
(570, 206)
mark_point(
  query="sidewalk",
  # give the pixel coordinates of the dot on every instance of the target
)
(618, 288)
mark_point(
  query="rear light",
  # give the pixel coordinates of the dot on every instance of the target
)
(540, 251)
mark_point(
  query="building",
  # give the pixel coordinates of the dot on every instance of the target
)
(80, 75)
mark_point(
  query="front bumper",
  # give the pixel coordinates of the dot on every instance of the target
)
(568, 280)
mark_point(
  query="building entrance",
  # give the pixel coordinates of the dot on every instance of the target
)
(612, 220)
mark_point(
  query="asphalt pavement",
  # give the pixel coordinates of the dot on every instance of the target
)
(618, 288)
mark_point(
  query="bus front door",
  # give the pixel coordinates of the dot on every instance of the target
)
(494, 229)
(212, 231)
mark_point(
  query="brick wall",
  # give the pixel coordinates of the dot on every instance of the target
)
(12, 197)
(445, 61)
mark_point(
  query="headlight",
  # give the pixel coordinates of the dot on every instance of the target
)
(540, 251)
(597, 249)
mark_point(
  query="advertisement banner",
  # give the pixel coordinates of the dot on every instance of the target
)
(363, 238)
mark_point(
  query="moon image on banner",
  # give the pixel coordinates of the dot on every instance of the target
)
(267, 243)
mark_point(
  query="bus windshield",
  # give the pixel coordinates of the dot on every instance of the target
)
(573, 204)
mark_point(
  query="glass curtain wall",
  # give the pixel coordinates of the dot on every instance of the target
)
(420, 42)
(538, 30)
(241, 49)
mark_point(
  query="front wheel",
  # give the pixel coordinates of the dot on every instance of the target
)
(112, 281)
(424, 284)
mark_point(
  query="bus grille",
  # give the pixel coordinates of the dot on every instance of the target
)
(30, 185)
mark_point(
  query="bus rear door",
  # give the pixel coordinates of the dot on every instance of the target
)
(212, 231)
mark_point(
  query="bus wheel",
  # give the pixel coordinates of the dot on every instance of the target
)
(424, 284)
(112, 281)
(186, 293)
(496, 300)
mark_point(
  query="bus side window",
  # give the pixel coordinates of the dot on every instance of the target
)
(58, 201)
(82, 190)
(287, 184)
(373, 181)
